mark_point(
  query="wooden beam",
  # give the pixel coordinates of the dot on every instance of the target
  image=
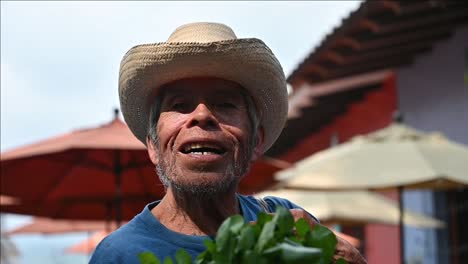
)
(387, 53)
(425, 22)
(331, 56)
(317, 69)
(392, 5)
(346, 42)
(376, 8)
(367, 66)
(429, 34)
(365, 24)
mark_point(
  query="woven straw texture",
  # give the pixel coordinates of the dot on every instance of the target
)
(213, 51)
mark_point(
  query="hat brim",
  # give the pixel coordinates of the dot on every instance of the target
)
(248, 62)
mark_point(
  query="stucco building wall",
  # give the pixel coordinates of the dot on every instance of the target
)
(433, 97)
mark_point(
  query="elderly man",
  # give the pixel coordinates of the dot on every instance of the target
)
(206, 104)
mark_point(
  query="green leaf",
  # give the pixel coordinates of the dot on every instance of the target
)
(252, 257)
(291, 241)
(295, 239)
(321, 237)
(266, 238)
(210, 245)
(237, 222)
(295, 254)
(246, 239)
(228, 228)
(182, 257)
(148, 258)
(284, 220)
(341, 261)
(202, 258)
(225, 254)
(302, 227)
(263, 218)
(249, 257)
(168, 260)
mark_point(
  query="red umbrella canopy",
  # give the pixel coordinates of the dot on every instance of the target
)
(93, 174)
(260, 176)
(94, 167)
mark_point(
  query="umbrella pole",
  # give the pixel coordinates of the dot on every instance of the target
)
(88, 245)
(401, 225)
(118, 189)
(109, 217)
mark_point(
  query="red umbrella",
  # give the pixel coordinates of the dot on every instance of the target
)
(8, 200)
(96, 173)
(102, 169)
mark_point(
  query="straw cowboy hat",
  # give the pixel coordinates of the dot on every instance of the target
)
(203, 50)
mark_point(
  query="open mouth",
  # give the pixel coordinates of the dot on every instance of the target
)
(202, 149)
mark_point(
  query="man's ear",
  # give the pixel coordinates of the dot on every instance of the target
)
(259, 147)
(152, 151)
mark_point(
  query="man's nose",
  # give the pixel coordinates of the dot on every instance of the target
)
(202, 116)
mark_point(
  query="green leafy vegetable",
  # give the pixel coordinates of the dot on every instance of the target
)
(182, 257)
(272, 239)
(148, 258)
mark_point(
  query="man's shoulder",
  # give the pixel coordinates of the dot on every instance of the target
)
(252, 205)
(272, 201)
(127, 242)
(110, 249)
(144, 233)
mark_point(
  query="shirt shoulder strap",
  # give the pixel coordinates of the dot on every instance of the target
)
(264, 205)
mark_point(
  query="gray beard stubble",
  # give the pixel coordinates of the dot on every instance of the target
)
(196, 190)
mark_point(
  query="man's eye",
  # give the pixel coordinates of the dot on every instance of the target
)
(227, 105)
(179, 106)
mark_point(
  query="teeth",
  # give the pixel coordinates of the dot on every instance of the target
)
(196, 146)
(201, 149)
(202, 153)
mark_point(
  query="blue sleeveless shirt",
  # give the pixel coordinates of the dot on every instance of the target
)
(144, 233)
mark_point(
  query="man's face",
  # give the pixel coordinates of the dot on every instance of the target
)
(204, 136)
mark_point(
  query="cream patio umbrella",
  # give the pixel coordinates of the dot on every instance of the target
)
(394, 157)
(352, 207)
(388, 158)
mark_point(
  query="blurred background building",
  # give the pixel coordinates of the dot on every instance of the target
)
(388, 56)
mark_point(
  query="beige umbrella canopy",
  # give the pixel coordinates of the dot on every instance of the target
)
(391, 157)
(353, 207)
(394, 157)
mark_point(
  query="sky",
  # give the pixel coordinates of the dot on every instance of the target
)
(60, 62)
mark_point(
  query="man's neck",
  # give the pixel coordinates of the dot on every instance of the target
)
(195, 216)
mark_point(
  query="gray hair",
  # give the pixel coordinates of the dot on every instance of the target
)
(155, 111)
